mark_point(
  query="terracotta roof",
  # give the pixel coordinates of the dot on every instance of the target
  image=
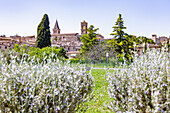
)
(73, 52)
(9, 38)
(33, 43)
(65, 34)
(4, 41)
(29, 36)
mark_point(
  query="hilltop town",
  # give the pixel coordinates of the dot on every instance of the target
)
(69, 41)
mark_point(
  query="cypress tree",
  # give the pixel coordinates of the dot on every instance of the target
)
(43, 33)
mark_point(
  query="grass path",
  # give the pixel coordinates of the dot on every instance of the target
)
(101, 97)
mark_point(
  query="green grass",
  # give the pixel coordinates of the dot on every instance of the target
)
(96, 65)
(100, 65)
(101, 100)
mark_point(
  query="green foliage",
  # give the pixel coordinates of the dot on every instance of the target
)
(62, 52)
(138, 40)
(40, 53)
(98, 52)
(101, 100)
(51, 87)
(24, 48)
(74, 60)
(145, 40)
(55, 38)
(120, 43)
(89, 39)
(43, 33)
(168, 44)
(142, 86)
(47, 52)
(123, 43)
(7, 54)
(17, 48)
(118, 32)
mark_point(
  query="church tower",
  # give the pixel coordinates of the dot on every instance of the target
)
(56, 29)
(84, 27)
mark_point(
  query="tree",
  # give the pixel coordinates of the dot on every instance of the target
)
(17, 48)
(145, 40)
(62, 53)
(98, 51)
(43, 33)
(47, 52)
(120, 42)
(118, 32)
(89, 39)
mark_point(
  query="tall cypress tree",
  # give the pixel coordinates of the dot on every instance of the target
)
(43, 33)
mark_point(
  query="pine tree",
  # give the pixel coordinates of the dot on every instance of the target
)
(120, 42)
(89, 39)
(118, 32)
(43, 33)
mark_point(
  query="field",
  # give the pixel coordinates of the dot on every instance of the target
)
(146, 80)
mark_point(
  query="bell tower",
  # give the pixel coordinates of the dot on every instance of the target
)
(84, 27)
(56, 29)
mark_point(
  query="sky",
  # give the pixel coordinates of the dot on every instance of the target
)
(141, 17)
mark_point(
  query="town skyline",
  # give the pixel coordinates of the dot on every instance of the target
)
(142, 18)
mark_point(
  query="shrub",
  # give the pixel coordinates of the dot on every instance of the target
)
(74, 60)
(142, 86)
(40, 53)
(6, 54)
(47, 51)
(43, 87)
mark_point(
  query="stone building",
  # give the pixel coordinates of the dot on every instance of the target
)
(160, 40)
(6, 42)
(140, 48)
(9, 42)
(70, 41)
(84, 26)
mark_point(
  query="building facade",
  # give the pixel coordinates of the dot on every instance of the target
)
(70, 41)
(9, 42)
(160, 40)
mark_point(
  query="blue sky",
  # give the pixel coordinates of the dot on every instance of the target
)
(141, 17)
